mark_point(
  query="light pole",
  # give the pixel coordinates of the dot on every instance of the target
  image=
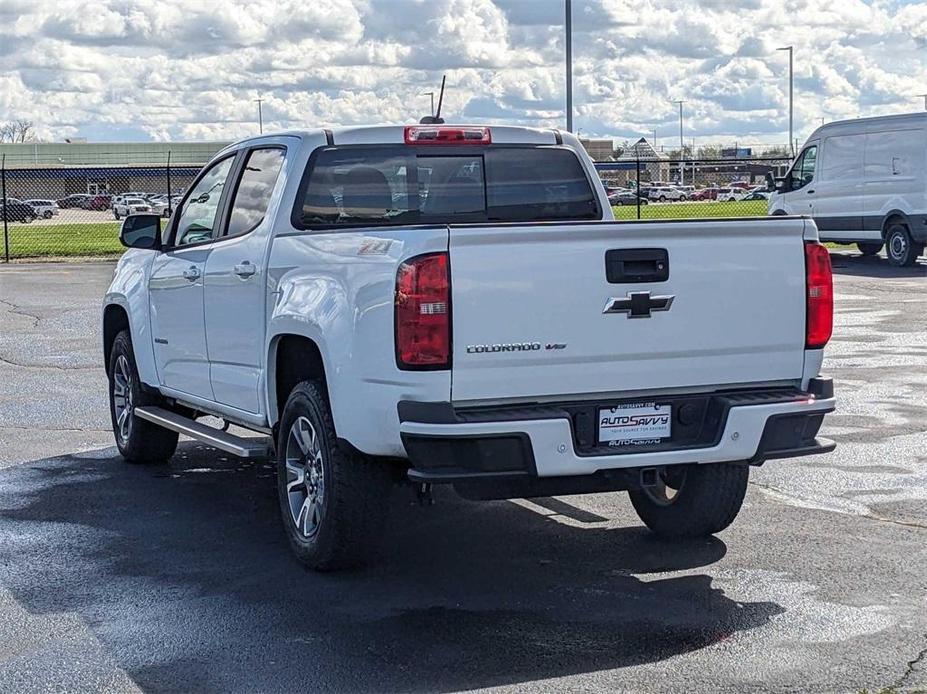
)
(682, 146)
(791, 94)
(432, 95)
(260, 101)
(925, 100)
(568, 21)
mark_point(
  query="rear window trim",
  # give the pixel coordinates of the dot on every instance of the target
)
(434, 151)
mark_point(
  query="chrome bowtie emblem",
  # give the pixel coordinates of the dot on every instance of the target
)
(638, 304)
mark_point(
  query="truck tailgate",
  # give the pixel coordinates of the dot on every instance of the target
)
(536, 313)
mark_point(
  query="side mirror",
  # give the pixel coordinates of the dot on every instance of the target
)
(141, 231)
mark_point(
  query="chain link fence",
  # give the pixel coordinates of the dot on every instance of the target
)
(664, 188)
(74, 210)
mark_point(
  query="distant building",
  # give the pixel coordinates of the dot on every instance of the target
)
(599, 150)
(654, 166)
(56, 169)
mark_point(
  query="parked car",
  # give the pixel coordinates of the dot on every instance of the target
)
(160, 207)
(376, 349)
(728, 195)
(129, 206)
(44, 208)
(705, 194)
(886, 157)
(73, 200)
(666, 194)
(742, 185)
(97, 202)
(16, 211)
(756, 195)
(628, 197)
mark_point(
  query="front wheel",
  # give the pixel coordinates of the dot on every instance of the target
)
(334, 500)
(47, 214)
(869, 249)
(902, 251)
(138, 441)
(662, 198)
(692, 500)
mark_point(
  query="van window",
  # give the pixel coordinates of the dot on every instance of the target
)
(843, 157)
(383, 185)
(803, 171)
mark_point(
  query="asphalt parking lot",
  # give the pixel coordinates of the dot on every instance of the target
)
(115, 577)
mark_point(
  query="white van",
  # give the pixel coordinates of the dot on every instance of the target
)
(863, 181)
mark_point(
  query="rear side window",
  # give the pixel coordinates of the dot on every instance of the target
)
(254, 190)
(389, 185)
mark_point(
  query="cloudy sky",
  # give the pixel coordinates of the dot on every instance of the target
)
(184, 69)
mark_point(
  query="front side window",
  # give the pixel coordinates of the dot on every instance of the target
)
(199, 212)
(254, 190)
(386, 185)
(803, 171)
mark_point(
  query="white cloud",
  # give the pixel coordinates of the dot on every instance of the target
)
(189, 69)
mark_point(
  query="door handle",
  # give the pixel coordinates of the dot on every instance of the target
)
(245, 269)
(810, 192)
(192, 273)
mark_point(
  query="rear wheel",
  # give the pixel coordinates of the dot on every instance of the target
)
(692, 500)
(115, 213)
(662, 198)
(334, 501)
(47, 214)
(869, 249)
(27, 218)
(902, 250)
(138, 441)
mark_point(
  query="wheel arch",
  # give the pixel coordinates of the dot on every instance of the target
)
(292, 358)
(115, 320)
(894, 217)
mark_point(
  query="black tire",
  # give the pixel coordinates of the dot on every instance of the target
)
(139, 441)
(353, 502)
(27, 219)
(869, 249)
(900, 247)
(662, 198)
(115, 214)
(47, 214)
(707, 499)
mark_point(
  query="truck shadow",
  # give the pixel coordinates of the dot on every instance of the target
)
(184, 575)
(855, 264)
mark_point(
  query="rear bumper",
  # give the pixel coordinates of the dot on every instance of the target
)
(543, 442)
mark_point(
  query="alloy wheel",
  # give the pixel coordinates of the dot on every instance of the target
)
(122, 397)
(305, 472)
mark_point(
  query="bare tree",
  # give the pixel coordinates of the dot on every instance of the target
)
(19, 130)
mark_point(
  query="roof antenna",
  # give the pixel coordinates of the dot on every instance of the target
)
(436, 119)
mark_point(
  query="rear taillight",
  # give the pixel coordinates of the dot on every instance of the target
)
(819, 302)
(440, 135)
(423, 313)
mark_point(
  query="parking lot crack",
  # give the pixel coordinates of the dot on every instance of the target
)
(23, 365)
(808, 503)
(912, 666)
(18, 310)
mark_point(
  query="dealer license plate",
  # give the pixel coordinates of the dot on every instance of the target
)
(634, 424)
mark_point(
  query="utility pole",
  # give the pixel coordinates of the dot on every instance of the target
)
(791, 94)
(682, 146)
(569, 64)
(260, 101)
(432, 95)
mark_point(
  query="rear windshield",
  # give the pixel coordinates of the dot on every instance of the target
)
(396, 185)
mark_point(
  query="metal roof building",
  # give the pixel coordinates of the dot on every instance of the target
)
(66, 154)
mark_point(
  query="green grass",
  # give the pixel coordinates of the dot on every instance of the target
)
(690, 210)
(63, 240)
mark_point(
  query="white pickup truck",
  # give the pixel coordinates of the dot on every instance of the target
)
(455, 304)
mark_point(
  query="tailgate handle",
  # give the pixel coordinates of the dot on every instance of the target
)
(633, 265)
